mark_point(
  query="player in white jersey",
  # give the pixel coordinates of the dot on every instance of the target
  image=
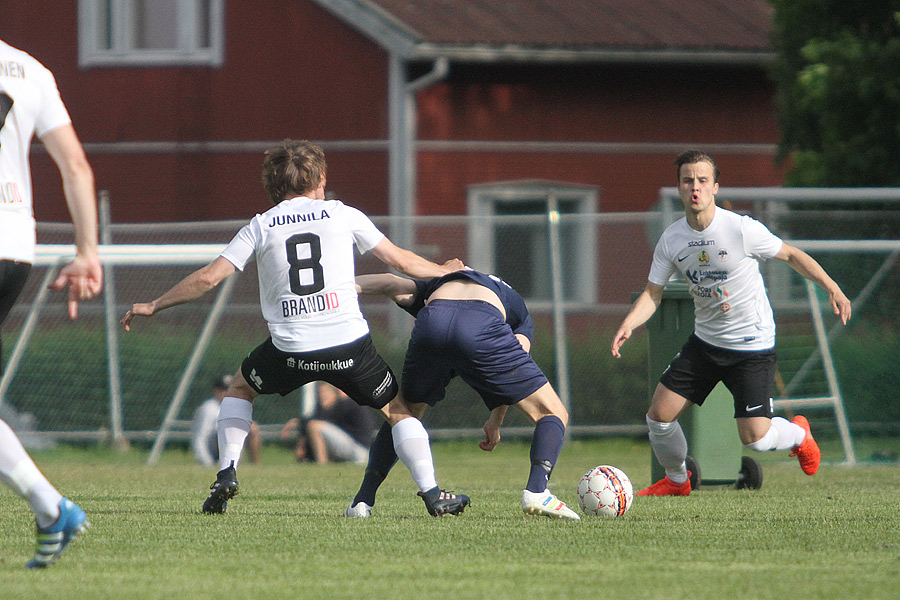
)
(718, 253)
(304, 250)
(30, 104)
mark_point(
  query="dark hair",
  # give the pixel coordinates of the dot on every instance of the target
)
(694, 156)
(294, 168)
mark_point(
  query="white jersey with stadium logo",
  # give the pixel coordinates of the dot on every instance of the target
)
(721, 266)
(29, 104)
(304, 252)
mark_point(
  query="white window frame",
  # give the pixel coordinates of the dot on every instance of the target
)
(482, 202)
(123, 52)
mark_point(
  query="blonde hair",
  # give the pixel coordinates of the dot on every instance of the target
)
(294, 168)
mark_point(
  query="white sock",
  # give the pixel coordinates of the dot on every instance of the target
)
(670, 447)
(412, 447)
(235, 418)
(21, 474)
(782, 435)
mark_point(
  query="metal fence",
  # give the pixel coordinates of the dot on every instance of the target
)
(579, 272)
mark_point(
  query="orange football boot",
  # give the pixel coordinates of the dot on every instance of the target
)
(667, 487)
(808, 452)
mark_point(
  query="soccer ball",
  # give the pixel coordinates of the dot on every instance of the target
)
(605, 491)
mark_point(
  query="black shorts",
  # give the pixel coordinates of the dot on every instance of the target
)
(356, 368)
(12, 280)
(749, 376)
(467, 338)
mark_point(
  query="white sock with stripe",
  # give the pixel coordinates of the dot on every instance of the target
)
(412, 447)
(235, 418)
(21, 474)
(782, 435)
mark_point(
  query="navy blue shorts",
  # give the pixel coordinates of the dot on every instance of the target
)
(749, 376)
(356, 368)
(467, 338)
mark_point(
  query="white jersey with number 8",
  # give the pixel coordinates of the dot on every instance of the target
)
(304, 252)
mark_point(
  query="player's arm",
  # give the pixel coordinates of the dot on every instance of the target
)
(642, 309)
(84, 275)
(410, 263)
(399, 289)
(492, 428)
(190, 288)
(290, 428)
(807, 266)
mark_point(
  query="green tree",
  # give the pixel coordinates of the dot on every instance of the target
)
(838, 78)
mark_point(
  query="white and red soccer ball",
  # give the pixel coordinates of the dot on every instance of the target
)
(605, 491)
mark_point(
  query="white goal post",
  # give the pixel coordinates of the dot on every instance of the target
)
(53, 256)
(156, 258)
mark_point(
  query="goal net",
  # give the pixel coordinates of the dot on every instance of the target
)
(90, 379)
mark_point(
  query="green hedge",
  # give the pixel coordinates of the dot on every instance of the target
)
(63, 378)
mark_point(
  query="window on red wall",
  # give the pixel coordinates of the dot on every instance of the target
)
(150, 32)
(511, 238)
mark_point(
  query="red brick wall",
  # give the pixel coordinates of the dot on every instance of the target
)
(293, 70)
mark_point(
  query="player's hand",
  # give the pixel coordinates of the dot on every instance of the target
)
(454, 264)
(623, 334)
(143, 309)
(84, 276)
(840, 305)
(491, 436)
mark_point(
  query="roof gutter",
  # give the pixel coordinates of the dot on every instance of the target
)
(395, 36)
(494, 54)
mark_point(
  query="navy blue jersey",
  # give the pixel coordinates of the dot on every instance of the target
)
(517, 316)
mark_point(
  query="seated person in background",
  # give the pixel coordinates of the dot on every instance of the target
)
(204, 433)
(339, 429)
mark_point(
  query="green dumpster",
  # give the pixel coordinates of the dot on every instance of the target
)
(714, 447)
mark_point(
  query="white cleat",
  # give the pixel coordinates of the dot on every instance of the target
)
(548, 505)
(360, 510)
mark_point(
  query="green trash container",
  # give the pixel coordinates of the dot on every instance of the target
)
(714, 447)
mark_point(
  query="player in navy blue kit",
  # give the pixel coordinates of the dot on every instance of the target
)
(304, 250)
(477, 327)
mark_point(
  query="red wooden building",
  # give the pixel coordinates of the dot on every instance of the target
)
(414, 101)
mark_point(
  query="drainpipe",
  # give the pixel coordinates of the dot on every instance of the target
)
(402, 144)
(402, 161)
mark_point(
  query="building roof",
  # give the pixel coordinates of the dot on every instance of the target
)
(710, 31)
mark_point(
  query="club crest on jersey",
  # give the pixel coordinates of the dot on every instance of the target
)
(299, 218)
(704, 258)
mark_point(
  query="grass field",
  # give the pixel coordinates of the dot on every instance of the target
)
(834, 535)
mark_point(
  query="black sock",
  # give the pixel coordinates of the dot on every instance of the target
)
(382, 458)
